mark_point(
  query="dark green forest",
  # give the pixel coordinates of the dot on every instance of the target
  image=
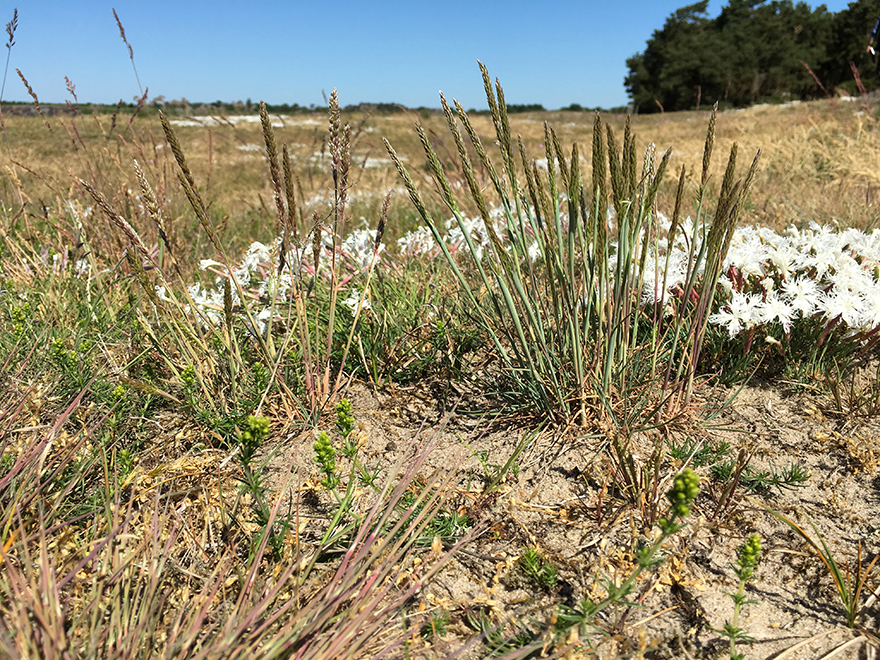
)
(754, 51)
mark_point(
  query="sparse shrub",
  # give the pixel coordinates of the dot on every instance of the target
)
(536, 567)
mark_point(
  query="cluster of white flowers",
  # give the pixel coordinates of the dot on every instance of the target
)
(421, 241)
(257, 275)
(416, 243)
(819, 271)
(768, 277)
(209, 301)
(254, 274)
(359, 246)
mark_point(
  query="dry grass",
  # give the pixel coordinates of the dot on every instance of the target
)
(822, 162)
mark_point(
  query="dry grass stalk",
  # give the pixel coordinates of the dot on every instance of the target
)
(141, 102)
(10, 42)
(130, 50)
(33, 95)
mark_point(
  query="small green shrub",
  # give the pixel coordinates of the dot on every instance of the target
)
(538, 569)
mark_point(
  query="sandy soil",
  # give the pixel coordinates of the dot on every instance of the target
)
(562, 500)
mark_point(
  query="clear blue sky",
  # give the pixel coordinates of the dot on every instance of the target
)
(552, 52)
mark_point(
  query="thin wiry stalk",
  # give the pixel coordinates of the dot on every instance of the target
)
(130, 51)
(10, 42)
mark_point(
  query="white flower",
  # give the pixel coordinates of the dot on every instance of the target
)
(743, 311)
(849, 275)
(871, 312)
(653, 292)
(210, 303)
(534, 251)
(274, 285)
(784, 258)
(359, 246)
(774, 308)
(748, 255)
(475, 229)
(684, 233)
(204, 264)
(846, 305)
(353, 302)
(415, 243)
(824, 259)
(257, 255)
(802, 293)
(263, 319)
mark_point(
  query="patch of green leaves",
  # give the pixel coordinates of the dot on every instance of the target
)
(699, 453)
(753, 480)
(538, 569)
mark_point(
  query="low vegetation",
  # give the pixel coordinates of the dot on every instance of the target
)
(200, 319)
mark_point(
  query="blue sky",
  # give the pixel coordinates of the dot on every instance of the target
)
(552, 52)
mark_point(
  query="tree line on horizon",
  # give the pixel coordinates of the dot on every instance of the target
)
(184, 107)
(754, 51)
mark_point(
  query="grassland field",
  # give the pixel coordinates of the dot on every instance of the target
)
(346, 477)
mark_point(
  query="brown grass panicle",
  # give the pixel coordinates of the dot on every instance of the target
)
(130, 54)
(33, 95)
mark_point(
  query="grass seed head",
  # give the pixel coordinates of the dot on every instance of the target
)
(629, 157)
(618, 188)
(11, 26)
(707, 148)
(600, 197)
(33, 95)
(290, 225)
(560, 156)
(383, 218)
(335, 126)
(272, 157)
(227, 303)
(676, 213)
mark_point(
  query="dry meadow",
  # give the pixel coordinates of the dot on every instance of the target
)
(242, 417)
